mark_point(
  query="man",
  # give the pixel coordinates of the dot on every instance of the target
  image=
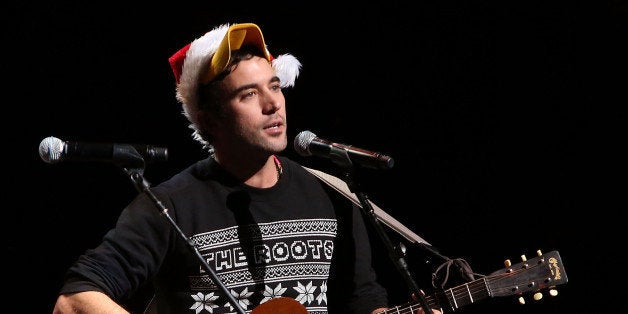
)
(267, 227)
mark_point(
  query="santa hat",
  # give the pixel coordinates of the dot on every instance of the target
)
(207, 56)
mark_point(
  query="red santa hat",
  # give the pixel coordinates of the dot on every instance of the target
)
(207, 56)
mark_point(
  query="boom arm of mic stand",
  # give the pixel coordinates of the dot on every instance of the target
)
(144, 187)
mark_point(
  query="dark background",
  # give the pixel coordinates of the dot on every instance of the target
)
(506, 123)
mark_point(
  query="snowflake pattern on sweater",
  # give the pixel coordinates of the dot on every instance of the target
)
(285, 258)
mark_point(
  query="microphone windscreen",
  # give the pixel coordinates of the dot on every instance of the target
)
(302, 143)
(50, 149)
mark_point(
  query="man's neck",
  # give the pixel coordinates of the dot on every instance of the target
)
(261, 174)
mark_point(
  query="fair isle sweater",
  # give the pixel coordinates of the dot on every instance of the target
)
(297, 239)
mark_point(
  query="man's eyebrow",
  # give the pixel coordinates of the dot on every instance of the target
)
(274, 79)
(243, 87)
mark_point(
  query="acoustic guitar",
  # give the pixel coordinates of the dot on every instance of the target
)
(543, 272)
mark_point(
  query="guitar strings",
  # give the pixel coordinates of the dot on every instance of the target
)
(494, 284)
(464, 293)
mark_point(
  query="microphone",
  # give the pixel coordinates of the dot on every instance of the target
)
(53, 150)
(306, 144)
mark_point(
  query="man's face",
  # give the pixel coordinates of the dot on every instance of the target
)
(254, 113)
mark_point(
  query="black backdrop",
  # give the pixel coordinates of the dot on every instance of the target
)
(505, 123)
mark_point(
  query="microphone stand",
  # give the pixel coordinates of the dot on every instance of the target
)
(341, 157)
(136, 176)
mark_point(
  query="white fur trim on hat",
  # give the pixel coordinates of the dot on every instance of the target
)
(287, 69)
(197, 57)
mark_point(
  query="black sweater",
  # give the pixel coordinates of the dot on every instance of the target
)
(298, 239)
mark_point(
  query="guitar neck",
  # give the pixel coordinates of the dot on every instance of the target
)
(541, 272)
(449, 300)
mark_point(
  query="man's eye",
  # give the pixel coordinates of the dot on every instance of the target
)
(248, 94)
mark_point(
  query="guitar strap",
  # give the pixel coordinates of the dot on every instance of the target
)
(342, 187)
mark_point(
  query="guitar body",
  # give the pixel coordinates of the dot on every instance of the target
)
(281, 305)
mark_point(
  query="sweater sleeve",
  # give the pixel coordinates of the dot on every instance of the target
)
(353, 280)
(369, 294)
(127, 257)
